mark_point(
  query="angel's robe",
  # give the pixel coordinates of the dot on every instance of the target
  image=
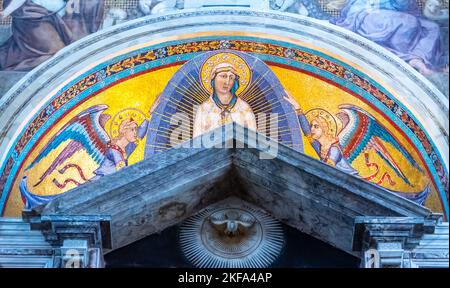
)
(115, 158)
(333, 156)
(39, 32)
(209, 116)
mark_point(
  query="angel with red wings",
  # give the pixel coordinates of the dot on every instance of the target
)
(86, 131)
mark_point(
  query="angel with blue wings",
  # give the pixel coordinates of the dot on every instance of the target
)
(86, 131)
(361, 132)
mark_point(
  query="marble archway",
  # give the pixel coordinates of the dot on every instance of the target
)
(128, 65)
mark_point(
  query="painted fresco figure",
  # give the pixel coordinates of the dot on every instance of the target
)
(120, 148)
(115, 16)
(86, 131)
(321, 132)
(303, 7)
(293, 6)
(224, 106)
(433, 10)
(143, 8)
(360, 133)
(40, 28)
(163, 6)
(398, 26)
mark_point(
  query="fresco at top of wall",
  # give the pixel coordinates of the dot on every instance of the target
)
(40, 28)
(414, 30)
(416, 36)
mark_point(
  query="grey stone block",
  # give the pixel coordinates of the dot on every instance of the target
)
(8, 79)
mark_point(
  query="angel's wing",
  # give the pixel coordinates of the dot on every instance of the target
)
(362, 132)
(418, 197)
(85, 131)
(246, 220)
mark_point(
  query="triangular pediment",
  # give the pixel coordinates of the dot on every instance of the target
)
(296, 189)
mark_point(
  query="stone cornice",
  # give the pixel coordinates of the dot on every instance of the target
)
(302, 192)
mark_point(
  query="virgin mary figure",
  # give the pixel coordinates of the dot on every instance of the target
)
(224, 106)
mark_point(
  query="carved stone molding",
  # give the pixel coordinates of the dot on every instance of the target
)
(231, 234)
(78, 241)
(402, 241)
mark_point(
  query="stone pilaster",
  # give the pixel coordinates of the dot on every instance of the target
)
(78, 241)
(401, 242)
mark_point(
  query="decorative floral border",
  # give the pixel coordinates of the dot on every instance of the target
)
(269, 49)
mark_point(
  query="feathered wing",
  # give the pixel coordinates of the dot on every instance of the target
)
(85, 131)
(362, 132)
(418, 197)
